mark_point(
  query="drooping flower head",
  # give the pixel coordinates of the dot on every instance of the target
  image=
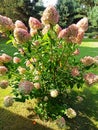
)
(50, 16)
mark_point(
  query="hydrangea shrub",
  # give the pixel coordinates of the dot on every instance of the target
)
(45, 64)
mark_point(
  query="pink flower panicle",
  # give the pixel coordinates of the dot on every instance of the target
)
(88, 60)
(8, 101)
(4, 84)
(75, 72)
(3, 70)
(6, 24)
(90, 78)
(75, 32)
(76, 52)
(50, 16)
(83, 24)
(20, 24)
(6, 58)
(34, 23)
(63, 33)
(25, 87)
(16, 60)
(21, 35)
(80, 36)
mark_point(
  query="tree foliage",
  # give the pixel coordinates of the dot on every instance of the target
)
(72, 10)
(20, 9)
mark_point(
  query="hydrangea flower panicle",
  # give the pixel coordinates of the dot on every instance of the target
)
(6, 24)
(8, 101)
(50, 16)
(25, 87)
(34, 23)
(21, 35)
(54, 93)
(3, 70)
(83, 24)
(4, 84)
(70, 113)
(88, 60)
(20, 24)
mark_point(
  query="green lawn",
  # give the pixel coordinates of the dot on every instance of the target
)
(21, 116)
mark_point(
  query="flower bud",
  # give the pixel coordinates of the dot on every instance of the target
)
(34, 23)
(28, 63)
(54, 93)
(36, 43)
(21, 70)
(8, 101)
(21, 51)
(70, 113)
(4, 84)
(79, 98)
(45, 98)
(76, 52)
(16, 60)
(75, 72)
(37, 85)
(20, 24)
(25, 87)
(50, 16)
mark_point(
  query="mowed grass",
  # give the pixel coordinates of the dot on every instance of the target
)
(21, 116)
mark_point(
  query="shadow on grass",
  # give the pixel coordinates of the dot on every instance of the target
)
(11, 121)
(86, 110)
